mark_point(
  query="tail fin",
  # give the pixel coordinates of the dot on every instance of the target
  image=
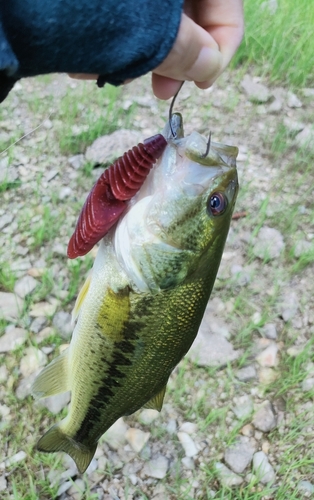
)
(55, 440)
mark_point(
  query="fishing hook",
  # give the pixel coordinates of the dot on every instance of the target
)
(208, 146)
(171, 108)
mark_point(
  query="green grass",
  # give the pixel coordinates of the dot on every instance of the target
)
(279, 44)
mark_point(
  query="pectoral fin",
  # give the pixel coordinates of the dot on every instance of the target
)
(156, 402)
(53, 379)
(80, 298)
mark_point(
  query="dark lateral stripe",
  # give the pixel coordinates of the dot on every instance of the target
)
(110, 381)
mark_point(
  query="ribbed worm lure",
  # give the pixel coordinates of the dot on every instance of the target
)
(108, 197)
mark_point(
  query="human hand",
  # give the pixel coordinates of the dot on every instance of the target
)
(209, 35)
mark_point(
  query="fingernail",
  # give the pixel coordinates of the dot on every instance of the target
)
(206, 65)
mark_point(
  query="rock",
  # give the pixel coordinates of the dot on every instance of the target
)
(92, 467)
(25, 286)
(38, 324)
(247, 373)
(18, 457)
(157, 467)
(32, 360)
(269, 331)
(269, 244)
(189, 428)
(115, 435)
(42, 309)
(44, 334)
(306, 487)
(109, 147)
(256, 92)
(188, 463)
(137, 438)
(305, 139)
(308, 92)
(262, 468)
(76, 491)
(56, 403)
(302, 247)
(264, 418)
(171, 426)
(267, 375)
(24, 388)
(62, 321)
(5, 220)
(11, 306)
(211, 349)
(188, 444)
(65, 192)
(275, 106)
(148, 416)
(247, 430)
(307, 384)
(3, 483)
(243, 407)
(76, 161)
(12, 339)
(293, 126)
(226, 476)
(240, 454)
(3, 373)
(64, 487)
(289, 305)
(293, 101)
(268, 357)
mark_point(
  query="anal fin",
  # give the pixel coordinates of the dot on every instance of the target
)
(56, 440)
(156, 402)
(53, 379)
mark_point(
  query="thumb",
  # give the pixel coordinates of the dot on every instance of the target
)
(195, 56)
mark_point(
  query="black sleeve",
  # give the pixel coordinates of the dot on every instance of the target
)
(116, 39)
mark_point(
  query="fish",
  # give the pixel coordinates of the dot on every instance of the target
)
(140, 309)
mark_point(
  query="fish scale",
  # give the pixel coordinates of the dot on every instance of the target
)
(140, 310)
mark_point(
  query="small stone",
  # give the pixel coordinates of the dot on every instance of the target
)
(18, 457)
(44, 334)
(302, 247)
(189, 428)
(275, 106)
(109, 147)
(211, 349)
(188, 463)
(268, 357)
(62, 321)
(256, 92)
(3, 373)
(269, 244)
(295, 350)
(148, 416)
(56, 403)
(306, 487)
(289, 305)
(264, 418)
(65, 192)
(12, 339)
(262, 468)
(157, 467)
(25, 286)
(92, 467)
(3, 483)
(187, 444)
(76, 161)
(25, 386)
(308, 384)
(226, 476)
(171, 426)
(267, 375)
(243, 407)
(293, 101)
(42, 309)
(293, 126)
(247, 373)
(11, 306)
(32, 360)
(137, 438)
(305, 139)
(59, 250)
(247, 430)
(77, 489)
(115, 435)
(269, 331)
(64, 487)
(240, 454)
(5, 220)
(38, 324)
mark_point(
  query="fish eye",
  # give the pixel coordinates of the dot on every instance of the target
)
(217, 204)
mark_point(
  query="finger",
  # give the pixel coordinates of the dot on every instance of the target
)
(83, 76)
(164, 87)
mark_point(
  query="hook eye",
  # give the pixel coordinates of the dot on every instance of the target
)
(171, 111)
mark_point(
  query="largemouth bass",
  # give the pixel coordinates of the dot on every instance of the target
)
(140, 310)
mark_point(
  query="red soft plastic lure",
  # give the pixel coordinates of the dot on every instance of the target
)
(107, 199)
